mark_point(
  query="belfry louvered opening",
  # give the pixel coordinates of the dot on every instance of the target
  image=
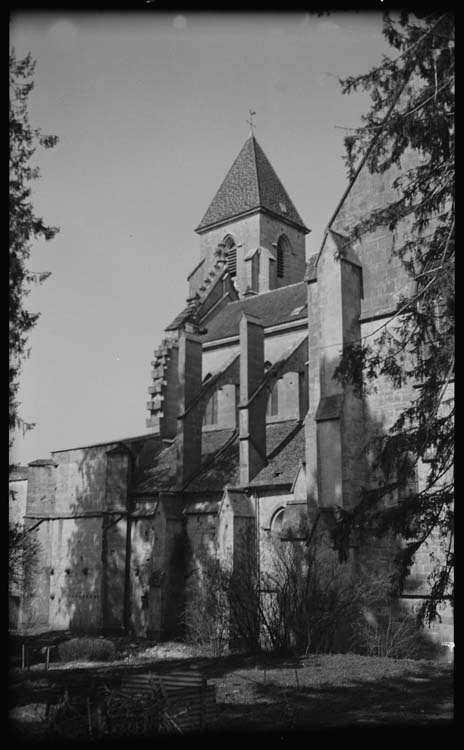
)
(232, 261)
(283, 248)
(231, 255)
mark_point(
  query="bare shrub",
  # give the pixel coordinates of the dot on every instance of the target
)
(207, 616)
(222, 601)
(298, 597)
(87, 649)
(387, 632)
(308, 598)
(24, 557)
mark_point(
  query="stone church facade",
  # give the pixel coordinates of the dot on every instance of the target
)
(247, 429)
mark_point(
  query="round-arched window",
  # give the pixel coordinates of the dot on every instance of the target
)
(277, 521)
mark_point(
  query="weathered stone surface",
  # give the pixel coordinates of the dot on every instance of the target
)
(127, 529)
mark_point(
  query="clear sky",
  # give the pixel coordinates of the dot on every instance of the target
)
(151, 112)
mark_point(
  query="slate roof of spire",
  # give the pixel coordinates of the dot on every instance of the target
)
(250, 184)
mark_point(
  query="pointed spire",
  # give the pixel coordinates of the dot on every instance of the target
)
(251, 184)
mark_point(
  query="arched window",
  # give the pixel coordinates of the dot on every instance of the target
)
(273, 401)
(211, 411)
(276, 522)
(230, 251)
(283, 249)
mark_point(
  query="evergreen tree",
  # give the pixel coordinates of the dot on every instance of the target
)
(24, 224)
(412, 107)
(24, 227)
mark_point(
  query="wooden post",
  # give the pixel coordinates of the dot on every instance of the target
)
(202, 704)
(47, 658)
(23, 656)
(89, 717)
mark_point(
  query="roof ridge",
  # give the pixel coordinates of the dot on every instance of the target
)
(270, 291)
(255, 161)
(298, 220)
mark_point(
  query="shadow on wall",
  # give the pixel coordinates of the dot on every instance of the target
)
(89, 573)
(88, 581)
(180, 574)
(388, 625)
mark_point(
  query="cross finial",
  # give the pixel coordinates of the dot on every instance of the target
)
(250, 121)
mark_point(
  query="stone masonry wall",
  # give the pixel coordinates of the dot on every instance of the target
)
(294, 262)
(384, 281)
(75, 574)
(246, 233)
(383, 275)
(249, 233)
(71, 497)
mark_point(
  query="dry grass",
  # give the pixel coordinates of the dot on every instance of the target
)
(334, 691)
(263, 693)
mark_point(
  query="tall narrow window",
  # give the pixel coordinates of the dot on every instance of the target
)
(231, 255)
(283, 248)
(211, 411)
(273, 402)
(280, 262)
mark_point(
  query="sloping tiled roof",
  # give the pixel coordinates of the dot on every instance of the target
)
(278, 306)
(311, 268)
(18, 474)
(251, 183)
(184, 315)
(225, 469)
(42, 462)
(162, 476)
(285, 450)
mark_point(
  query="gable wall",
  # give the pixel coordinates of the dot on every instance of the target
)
(383, 276)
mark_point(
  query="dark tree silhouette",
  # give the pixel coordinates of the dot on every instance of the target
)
(412, 107)
(24, 225)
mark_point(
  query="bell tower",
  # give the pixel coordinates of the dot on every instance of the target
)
(253, 226)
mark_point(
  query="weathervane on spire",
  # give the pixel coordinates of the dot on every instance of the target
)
(250, 121)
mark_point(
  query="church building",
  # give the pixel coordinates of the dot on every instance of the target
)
(249, 435)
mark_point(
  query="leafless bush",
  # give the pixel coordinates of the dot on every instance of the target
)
(23, 554)
(222, 601)
(308, 598)
(207, 616)
(297, 598)
(386, 632)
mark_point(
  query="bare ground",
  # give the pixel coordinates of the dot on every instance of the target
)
(263, 693)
